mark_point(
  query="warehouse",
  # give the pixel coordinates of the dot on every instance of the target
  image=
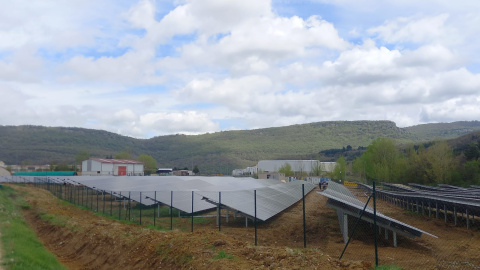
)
(300, 166)
(116, 167)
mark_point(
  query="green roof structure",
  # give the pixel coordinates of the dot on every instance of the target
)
(47, 173)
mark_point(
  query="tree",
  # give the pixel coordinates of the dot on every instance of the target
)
(359, 167)
(471, 172)
(339, 172)
(317, 169)
(150, 164)
(125, 154)
(62, 167)
(380, 159)
(286, 169)
(195, 169)
(440, 162)
(472, 152)
(300, 168)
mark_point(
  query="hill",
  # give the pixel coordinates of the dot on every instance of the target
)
(218, 152)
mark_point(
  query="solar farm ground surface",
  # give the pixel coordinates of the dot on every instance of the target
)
(83, 240)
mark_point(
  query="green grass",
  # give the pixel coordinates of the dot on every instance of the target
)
(223, 255)
(21, 248)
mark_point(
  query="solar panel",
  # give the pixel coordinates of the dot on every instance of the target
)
(176, 191)
(272, 196)
(448, 198)
(342, 200)
(270, 200)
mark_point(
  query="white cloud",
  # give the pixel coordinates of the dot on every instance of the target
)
(23, 65)
(188, 122)
(47, 24)
(462, 108)
(142, 15)
(418, 30)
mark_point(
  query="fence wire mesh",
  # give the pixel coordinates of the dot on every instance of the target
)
(434, 232)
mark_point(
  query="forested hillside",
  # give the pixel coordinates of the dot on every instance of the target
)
(218, 152)
(455, 161)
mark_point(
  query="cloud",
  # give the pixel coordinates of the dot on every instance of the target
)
(22, 65)
(417, 30)
(188, 122)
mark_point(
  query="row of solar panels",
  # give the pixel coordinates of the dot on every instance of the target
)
(446, 198)
(263, 198)
(343, 200)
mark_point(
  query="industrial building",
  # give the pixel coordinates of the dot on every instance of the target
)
(297, 166)
(116, 167)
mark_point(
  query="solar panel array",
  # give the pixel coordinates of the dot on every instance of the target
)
(444, 198)
(201, 193)
(340, 198)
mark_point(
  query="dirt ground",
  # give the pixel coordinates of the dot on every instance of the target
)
(83, 240)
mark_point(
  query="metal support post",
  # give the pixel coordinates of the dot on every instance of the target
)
(255, 220)
(455, 214)
(140, 208)
(468, 219)
(445, 212)
(304, 222)
(219, 210)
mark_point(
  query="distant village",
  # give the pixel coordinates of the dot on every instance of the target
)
(281, 170)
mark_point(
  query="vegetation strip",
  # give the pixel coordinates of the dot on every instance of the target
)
(21, 248)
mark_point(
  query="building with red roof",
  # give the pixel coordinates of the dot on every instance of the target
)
(116, 167)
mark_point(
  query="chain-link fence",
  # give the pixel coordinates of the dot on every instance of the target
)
(422, 232)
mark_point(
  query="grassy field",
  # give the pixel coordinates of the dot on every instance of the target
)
(21, 248)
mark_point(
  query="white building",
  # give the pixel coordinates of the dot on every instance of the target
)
(249, 171)
(299, 166)
(101, 166)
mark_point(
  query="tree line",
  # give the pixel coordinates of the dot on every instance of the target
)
(430, 164)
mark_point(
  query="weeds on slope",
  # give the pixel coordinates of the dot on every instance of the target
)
(21, 248)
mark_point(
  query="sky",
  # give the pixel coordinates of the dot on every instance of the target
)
(151, 68)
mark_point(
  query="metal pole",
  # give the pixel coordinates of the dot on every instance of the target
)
(120, 208)
(255, 220)
(97, 200)
(129, 207)
(304, 223)
(140, 208)
(171, 212)
(111, 203)
(154, 216)
(355, 226)
(192, 211)
(103, 199)
(219, 210)
(375, 224)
